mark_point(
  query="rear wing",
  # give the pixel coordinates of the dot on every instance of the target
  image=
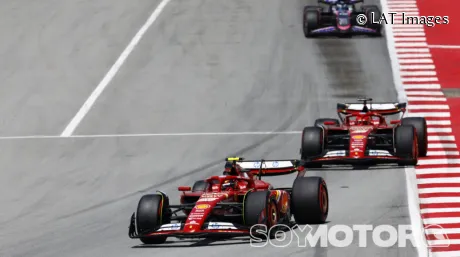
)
(332, 2)
(268, 167)
(381, 108)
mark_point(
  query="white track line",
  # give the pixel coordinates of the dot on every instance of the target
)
(405, 31)
(424, 93)
(390, 3)
(441, 138)
(422, 86)
(437, 171)
(411, 44)
(404, 9)
(410, 39)
(443, 153)
(429, 114)
(443, 231)
(407, 26)
(435, 210)
(413, 50)
(438, 130)
(443, 146)
(439, 221)
(400, 6)
(441, 99)
(445, 46)
(417, 67)
(113, 71)
(420, 79)
(418, 73)
(426, 60)
(440, 200)
(428, 107)
(445, 254)
(438, 122)
(439, 162)
(421, 181)
(158, 135)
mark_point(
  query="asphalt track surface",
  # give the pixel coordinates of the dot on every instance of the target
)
(204, 66)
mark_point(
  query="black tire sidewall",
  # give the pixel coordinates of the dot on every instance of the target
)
(148, 218)
(421, 130)
(404, 142)
(312, 142)
(310, 20)
(305, 202)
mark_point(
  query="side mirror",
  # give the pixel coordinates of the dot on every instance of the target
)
(329, 123)
(184, 188)
(395, 122)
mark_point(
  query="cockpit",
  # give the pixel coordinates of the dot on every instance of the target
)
(354, 120)
(342, 7)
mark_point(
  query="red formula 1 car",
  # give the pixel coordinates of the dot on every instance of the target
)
(233, 204)
(367, 135)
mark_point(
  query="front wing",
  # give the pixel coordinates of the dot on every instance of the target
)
(372, 157)
(209, 230)
(332, 30)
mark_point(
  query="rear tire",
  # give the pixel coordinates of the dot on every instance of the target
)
(310, 200)
(152, 211)
(405, 138)
(320, 122)
(312, 145)
(419, 123)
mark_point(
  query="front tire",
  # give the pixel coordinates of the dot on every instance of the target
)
(406, 145)
(152, 211)
(310, 20)
(310, 200)
(419, 123)
(373, 13)
(259, 209)
(312, 145)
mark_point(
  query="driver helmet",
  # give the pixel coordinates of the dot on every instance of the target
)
(363, 120)
(230, 169)
(228, 184)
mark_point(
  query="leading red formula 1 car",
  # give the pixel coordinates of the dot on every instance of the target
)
(365, 135)
(232, 204)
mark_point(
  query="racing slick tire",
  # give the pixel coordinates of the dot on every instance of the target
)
(406, 145)
(312, 145)
(419, 123)
(320, 122)
(311, 20)
(310, 200)
(259, 209)
(199, 186)
(368, 10)
(152, 211)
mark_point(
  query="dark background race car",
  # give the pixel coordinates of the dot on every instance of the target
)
(232, 204)
(365, 134)
(340, 18)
